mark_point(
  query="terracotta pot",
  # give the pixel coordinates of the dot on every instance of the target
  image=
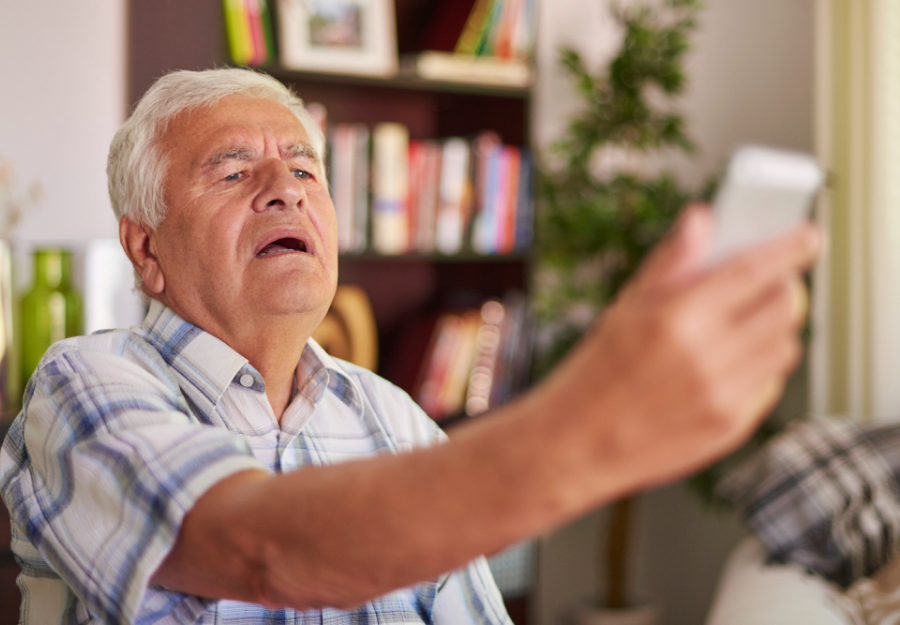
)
(646, 614)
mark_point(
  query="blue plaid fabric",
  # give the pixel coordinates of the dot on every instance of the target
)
(122, 431)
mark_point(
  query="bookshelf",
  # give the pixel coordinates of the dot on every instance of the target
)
(172, 34)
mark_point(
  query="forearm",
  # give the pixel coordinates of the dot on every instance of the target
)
(342, 534)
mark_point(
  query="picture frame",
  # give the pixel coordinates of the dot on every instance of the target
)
(338, 36)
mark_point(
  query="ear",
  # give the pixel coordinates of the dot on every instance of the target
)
(139, 244)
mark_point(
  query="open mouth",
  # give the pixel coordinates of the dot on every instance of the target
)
(288, 244)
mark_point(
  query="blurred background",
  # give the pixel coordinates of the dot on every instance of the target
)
(817, 76)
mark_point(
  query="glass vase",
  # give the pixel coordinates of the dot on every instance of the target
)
(51, 310)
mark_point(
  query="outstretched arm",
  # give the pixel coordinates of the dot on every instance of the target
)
(677, 373)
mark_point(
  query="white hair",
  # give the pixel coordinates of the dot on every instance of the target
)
(136, 167)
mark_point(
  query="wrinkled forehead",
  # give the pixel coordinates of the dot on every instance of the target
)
(234, 124)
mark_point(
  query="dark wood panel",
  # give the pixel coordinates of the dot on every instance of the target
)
(9, 570)
(172, 34)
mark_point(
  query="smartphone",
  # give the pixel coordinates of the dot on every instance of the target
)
(766, 192)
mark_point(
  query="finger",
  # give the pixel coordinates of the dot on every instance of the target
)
(762, 343)
(738, 282)
(680, 254)
(800, 296)
(783, 306)
(755, 384)
(760, 403)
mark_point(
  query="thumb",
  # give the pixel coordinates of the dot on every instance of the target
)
(679, 256)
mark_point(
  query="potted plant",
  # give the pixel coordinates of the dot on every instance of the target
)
(601, 212)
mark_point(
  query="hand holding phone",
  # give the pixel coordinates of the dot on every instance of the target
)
(765, 193)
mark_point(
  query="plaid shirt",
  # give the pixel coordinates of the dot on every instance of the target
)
(826, 495)
(121, 433)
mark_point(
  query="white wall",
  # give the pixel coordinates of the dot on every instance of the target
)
(751, 80)
(62, 96)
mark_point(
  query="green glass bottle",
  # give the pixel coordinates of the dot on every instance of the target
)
(51, 310)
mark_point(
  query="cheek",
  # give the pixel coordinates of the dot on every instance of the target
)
(324, 216)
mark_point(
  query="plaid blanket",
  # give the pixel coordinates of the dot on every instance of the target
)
(824, 494)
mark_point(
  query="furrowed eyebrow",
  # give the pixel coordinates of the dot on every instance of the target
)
(229, 154)
(301, 150)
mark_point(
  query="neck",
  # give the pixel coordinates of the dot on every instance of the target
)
(273, 344)
(274, 351)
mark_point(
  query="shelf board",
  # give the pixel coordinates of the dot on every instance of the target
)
(400, 81)
(464, 257)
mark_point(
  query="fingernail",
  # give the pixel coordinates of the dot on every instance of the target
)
(801, 300)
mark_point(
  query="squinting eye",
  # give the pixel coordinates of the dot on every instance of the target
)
(232, 177)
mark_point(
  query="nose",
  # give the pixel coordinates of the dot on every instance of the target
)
(280, 189)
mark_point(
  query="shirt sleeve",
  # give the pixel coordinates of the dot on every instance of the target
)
(114, 461)
(470, 596)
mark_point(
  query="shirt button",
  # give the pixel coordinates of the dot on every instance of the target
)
(247, 380)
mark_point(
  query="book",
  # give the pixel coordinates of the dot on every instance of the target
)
(442, 347)
(237, 26)
(452, 396)
(525, 207)
(474, 27)
(455, 196)
(396, 196)
(476, 359)
(507, 227)
(361, 177)
(484, 367)
(448, 67)
(428, 201)
(484, 230)
(390, 173)
(342, 178)
(268, 30)
(257, 34)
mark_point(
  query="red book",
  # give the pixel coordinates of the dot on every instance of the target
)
(257, 33)
(508, 229)
(416, 165)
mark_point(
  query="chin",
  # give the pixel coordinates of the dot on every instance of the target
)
(294, 301)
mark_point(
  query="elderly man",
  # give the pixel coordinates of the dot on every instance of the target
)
(151, 474)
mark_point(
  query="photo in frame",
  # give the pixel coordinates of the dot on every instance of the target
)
(338, 36)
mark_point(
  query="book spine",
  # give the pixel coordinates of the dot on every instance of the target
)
(484, 237)
(342, 183)
(390, 147)
(268, 30)
(361, 200)
(508, 228)
(506, 29)
(257, 36)
(453, 390)
(488, 35)
(415, 191)
(454, 195)
(236, 24)
(440, 352)
(468, 39)
(488, 344)
(525, 207)
(429, 198)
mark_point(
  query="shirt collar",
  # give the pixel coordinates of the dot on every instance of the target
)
(318, 370)
(212, 365)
